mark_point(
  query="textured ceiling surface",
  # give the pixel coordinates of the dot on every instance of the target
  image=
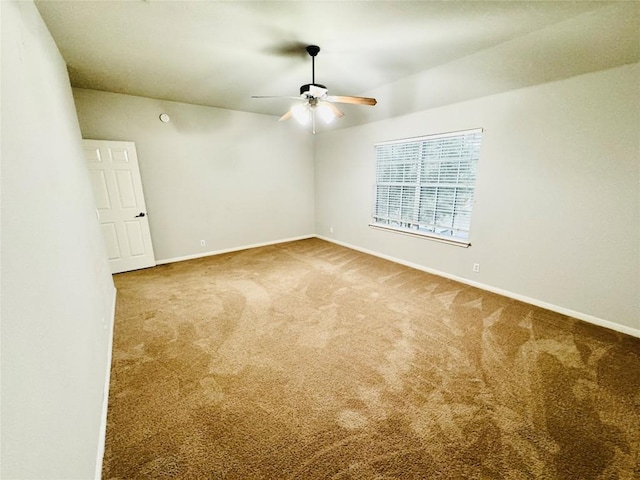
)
(220, 53)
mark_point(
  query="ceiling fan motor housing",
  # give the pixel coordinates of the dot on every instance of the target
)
(307, 89)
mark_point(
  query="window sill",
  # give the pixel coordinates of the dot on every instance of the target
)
(428, 236)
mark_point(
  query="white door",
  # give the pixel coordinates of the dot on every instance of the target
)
(117, 186)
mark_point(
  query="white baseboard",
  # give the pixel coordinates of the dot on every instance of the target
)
(233, 249)
(105, 394)
(516, 296)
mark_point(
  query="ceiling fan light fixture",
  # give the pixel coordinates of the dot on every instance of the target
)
(302, 113)
(326, 114)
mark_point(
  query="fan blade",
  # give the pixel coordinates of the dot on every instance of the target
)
(354, 100)
(286, 116)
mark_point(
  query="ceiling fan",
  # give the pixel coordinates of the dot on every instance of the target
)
(316, 101)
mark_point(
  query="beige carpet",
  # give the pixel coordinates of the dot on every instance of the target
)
(307, 360)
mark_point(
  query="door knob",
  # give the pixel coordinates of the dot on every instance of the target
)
(141, 214)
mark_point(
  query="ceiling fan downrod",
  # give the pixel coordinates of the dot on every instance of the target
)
(313, 50)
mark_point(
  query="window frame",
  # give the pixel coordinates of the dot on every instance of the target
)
(419, 185)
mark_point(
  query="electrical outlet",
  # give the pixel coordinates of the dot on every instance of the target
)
(330, 229)
(476, 267)
(202, 243)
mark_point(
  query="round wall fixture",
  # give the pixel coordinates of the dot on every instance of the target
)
(164, 118)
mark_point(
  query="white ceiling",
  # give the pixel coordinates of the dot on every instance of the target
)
(410, 55)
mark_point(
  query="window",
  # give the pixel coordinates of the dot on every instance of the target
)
(425, 186)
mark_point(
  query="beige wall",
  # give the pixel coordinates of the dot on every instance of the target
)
(230, 178)
(57, 292)
(557, 213)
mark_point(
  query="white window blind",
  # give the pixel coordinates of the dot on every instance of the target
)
(426, 185)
